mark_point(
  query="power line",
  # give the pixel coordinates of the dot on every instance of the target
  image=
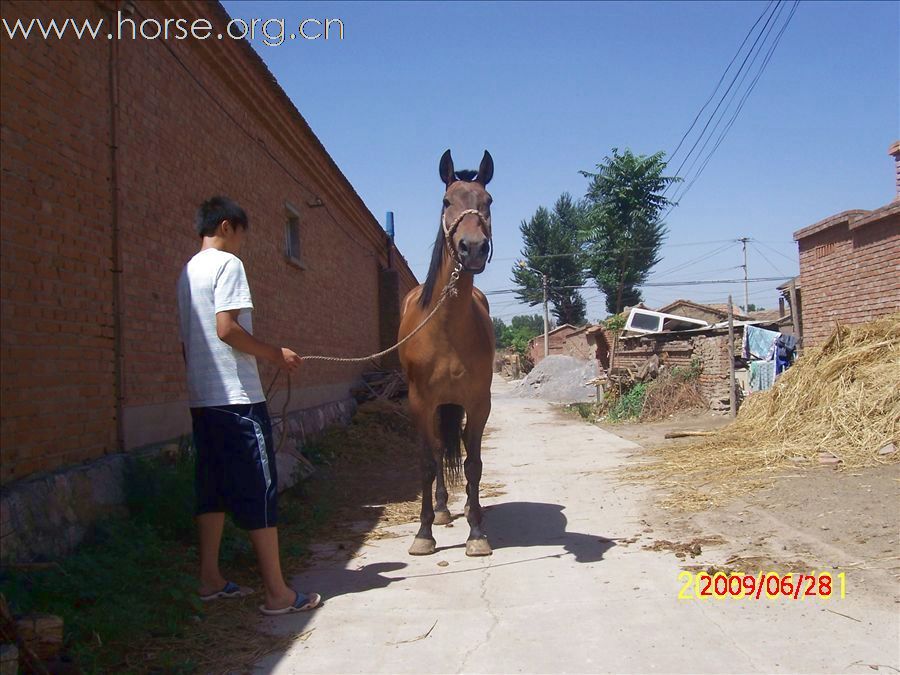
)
(740, 76)
(763, 256)
(730, 85)
(652, 284)
(693, 261)
(777, 252)
(743, 100)
(719, 83)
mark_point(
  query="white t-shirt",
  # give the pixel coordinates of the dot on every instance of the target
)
(217, 374)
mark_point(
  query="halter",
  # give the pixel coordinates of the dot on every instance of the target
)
(448, 233)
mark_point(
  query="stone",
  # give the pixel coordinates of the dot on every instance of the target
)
(889, 449)
(42, 634)
(9, 659)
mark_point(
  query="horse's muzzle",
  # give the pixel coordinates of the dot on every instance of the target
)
(473, 254)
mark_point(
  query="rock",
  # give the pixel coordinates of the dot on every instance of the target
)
(42, 634)
(560, 379)
(889, 449)
(9, 659)
(828, 458)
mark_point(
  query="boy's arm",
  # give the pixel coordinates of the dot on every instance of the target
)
(233, 334)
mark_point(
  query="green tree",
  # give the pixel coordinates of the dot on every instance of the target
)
(530, 322)
(551, 247)
(622, 230)
(499, 328)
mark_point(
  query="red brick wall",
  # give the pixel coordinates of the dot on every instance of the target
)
(556, 343)
(849, 276)
(203, 119)
(56, 343)
(711, 351)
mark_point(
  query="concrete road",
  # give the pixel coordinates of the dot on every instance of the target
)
(557, 596)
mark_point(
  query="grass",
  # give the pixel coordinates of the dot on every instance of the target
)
(131, 586)
(128, 595)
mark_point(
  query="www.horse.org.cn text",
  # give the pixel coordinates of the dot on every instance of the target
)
(129, 26)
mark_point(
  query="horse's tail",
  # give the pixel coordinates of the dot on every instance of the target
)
(450, 418)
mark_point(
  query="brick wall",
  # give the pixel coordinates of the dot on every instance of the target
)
(849, 274)
(56, 280)
(711, 351)
(193, 119)
(556, 344)
(577, 346)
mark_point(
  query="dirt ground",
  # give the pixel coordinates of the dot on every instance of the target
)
(812, 517)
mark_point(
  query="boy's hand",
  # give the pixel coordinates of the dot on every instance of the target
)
(289, 360)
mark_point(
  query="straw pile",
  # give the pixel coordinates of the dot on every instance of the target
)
(842, 398)
(670, 394)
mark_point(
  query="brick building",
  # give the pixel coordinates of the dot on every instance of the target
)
(708, 347)
(556, 340)
(850, 267)
(108, 148)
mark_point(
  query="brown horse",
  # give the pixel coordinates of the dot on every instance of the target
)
(449, 363)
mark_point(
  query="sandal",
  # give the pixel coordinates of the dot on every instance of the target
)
(303, 603)
(231, 590)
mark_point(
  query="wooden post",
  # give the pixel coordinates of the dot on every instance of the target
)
(795, 313)
(546, 318)
(731, 382)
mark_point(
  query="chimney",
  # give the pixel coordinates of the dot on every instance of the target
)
(894, 151)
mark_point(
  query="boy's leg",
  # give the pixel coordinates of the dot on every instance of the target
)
(265, 543)
(209, 487)
(254, 496)
(210, 527)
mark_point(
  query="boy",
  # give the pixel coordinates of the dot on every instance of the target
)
(232, 432)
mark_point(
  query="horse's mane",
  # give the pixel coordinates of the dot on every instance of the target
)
(437, 259)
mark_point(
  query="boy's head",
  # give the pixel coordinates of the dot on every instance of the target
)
(220, 217)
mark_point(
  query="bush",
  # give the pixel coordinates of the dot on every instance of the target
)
(629, 405)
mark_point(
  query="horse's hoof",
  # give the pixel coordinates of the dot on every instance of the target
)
(478, 547)
(442, 518)
(422, 546)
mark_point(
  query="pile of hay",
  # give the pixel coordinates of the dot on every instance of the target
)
(842, 397)
(669, 394)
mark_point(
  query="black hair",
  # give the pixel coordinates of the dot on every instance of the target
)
(437, 259)
(216, 209)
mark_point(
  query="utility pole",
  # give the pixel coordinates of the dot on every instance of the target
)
(744, 241)
(732, 398)
(546, 317)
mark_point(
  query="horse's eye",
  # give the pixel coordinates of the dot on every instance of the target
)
(446, 203)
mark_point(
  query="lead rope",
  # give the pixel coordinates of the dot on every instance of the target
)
(449, 291)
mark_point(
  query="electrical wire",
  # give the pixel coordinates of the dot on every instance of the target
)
(721, 79)
(734, 79)
(743, 100)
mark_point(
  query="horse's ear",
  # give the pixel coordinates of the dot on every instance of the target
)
(486, 170)
(445, 169)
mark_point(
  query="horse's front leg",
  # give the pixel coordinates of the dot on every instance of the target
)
(441, 512)
(477, 544)
(424, 542)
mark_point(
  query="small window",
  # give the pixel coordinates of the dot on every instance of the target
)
(292, 237)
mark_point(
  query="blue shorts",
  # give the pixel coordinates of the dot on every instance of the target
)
(236, 464)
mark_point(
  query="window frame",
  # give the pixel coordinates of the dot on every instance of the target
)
(292, 218)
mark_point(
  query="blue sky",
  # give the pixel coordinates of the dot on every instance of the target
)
(550, 88)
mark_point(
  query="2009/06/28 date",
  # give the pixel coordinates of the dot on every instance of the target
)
(738, 585)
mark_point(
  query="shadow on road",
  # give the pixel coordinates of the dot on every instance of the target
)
(525, 524)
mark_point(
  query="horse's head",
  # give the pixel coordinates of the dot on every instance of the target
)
(466, 216)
